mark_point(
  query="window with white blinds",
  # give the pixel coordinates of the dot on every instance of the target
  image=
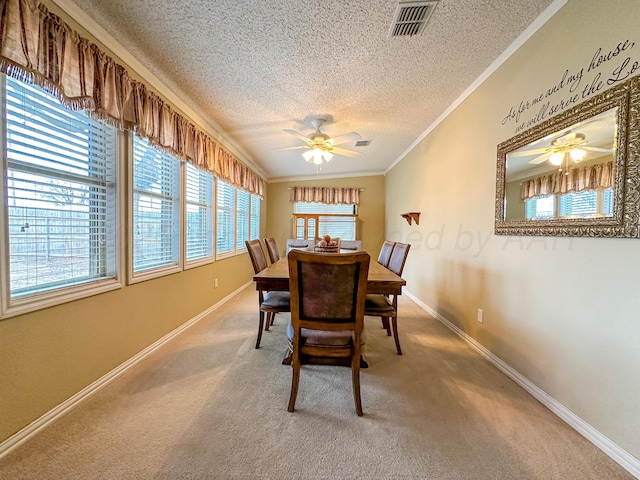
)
(540, 207)
(337, 220)
(199, 215)
(242, 219)
(225, 216)
(588, 203)
(238, 219)
(254, 218)
(60, 207)
(155, 211)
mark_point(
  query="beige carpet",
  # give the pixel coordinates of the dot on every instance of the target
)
(208, 405)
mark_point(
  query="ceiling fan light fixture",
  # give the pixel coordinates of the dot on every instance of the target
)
(577, 154)
(556, 158)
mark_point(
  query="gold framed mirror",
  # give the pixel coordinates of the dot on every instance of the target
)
(576, 174)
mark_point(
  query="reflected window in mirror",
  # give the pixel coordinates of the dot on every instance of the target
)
(584, 204)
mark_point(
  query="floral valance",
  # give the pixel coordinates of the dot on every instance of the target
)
(37, 47)
(325, 195)
(590, 177)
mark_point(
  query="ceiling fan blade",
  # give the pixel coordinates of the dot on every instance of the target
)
(345, 137)
(539, 159)
(297, 134)
(596, 149)
(290, 148)
(345, 152)
(528, 152)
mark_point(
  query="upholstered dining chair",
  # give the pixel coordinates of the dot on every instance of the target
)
(327, 313)
(385, 253)
(270, 302)
(272, 249)
(383, 306)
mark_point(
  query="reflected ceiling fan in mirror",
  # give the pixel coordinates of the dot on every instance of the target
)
(319, 147)
(569, 146)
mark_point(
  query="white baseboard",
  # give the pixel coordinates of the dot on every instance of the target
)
(621, 456)
(55, 413)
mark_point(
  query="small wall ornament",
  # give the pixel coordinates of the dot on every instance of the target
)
(412, 216)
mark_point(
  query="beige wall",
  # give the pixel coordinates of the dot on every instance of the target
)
(371, 212)
(562, 312)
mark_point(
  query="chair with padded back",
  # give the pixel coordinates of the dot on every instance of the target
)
(327, 322)
(272, 249)
(378, 305)
(270, 302)
(385, 253)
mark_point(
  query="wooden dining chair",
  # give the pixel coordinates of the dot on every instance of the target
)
(270, 303)
(386, 307)
(327, 313)
(385, 253)
(272, 249)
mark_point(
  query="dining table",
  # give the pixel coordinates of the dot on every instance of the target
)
(379, 280)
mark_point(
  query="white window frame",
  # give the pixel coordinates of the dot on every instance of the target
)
(57, 295)
(176, 264)
(205, 204)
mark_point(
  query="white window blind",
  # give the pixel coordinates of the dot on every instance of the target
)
(199, 216)
(242, 218)
(156, 208)
(587, 203)
(60, 181)
(254, 220)
(225, 213)
(540, 207)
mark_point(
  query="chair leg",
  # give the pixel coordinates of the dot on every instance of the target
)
(385, 325)
(273, 317)
(260, 325)
(394, 324)
(295, 380)
(355, 380)
(267, 322)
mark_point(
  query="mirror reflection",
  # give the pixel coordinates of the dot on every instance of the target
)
(567, 174)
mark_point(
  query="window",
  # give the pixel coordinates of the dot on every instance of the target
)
(254, 218)
(313, 220)
(225, 208)
(540, 207)
(199, 216)
(587, 203)
(61, 209)
(242, 218)
(238, 219)
(156, 212)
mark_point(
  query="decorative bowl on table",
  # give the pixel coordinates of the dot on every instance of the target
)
(327, 248)
(327, 245)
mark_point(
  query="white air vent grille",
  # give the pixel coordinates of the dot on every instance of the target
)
(363, 143)
(411, 18)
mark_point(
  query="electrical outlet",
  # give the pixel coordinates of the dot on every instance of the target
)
(480, 315)
(215, 283)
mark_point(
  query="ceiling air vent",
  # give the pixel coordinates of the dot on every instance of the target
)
(363, 143)
(411, 18)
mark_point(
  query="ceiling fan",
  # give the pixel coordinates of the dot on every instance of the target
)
(320, 147)
(571, 145)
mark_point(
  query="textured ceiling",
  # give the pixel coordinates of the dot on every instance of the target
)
(256, 67)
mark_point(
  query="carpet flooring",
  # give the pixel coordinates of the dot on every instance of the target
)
(208, 405)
